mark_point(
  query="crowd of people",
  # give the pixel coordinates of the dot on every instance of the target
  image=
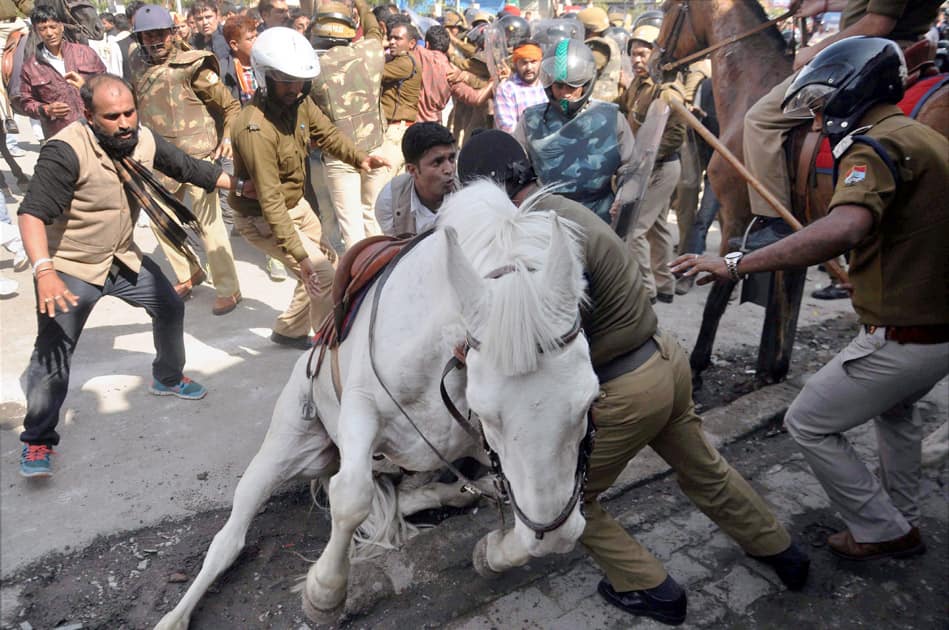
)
(220, 119)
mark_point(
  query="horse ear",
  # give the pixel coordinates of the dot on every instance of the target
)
(468, 285)
(560, 268)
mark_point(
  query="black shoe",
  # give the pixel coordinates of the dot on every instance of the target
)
(10, 126)
(831, 292)
(791, 565)
(670, 611)
(665, 298)
(767, 230)
(300, 343)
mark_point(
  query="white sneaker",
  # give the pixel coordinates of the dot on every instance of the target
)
(8, 286)
(20, 260)
(17, 151)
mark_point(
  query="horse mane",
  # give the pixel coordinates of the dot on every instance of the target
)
(519, 312)
(772, 32)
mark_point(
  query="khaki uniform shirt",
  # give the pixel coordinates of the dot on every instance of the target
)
(641, 93)
(619, 317)
(401, 87)
(899, 272)
(913, 17)
(271, 147)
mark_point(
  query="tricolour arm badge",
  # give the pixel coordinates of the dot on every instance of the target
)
(856, 174)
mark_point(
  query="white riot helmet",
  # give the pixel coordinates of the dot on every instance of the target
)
(282, 54)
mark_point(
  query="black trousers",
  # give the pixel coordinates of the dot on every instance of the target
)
(56, 339)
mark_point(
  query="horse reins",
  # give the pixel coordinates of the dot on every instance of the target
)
(682, 15)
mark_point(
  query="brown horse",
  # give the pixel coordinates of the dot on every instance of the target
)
(743, 72)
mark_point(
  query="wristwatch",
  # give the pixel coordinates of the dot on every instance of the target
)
(239, 188)
(731, 261)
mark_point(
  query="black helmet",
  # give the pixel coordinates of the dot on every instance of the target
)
(496, 155)
(515, 29)
(650, 18)
(844, 80)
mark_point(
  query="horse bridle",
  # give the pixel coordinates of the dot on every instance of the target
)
(500, 479)
(667, 63)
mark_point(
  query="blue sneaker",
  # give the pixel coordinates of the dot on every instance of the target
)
(34, 461)
(187, 389)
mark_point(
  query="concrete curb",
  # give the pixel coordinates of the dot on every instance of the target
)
(723, 425)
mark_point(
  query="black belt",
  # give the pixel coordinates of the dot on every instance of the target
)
(625, 363)
(672, 157)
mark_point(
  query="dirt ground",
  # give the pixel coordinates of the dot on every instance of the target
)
(128, 580)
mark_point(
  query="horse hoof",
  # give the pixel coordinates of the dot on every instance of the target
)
(320, 616)
(479, 558)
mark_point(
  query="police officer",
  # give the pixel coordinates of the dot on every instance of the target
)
(347, 91)
(606, 52)
(890, 172)
(181, 97)
(651, 237)
(272, 137)
(571, 140)
(645, 399)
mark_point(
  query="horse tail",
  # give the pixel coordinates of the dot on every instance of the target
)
(385, 528)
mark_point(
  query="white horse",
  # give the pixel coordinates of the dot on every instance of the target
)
(509, 279)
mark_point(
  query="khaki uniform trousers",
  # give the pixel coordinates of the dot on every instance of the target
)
(879, 380)
(650, 240)
(392, 148)
(766, 127)
(652, 406)
(354, 193)
(207, 208)
(304, 312)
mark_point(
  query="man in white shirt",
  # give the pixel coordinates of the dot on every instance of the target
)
(409, 203)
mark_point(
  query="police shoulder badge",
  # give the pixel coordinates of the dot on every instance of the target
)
(856, 174)
(213, 78)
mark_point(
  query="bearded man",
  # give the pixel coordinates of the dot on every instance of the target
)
(523, 89)
(76, 222)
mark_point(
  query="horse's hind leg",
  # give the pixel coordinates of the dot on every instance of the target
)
(290, 449)
(350, 494)
(715, 305)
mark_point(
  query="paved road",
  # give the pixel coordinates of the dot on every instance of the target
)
(128, 459)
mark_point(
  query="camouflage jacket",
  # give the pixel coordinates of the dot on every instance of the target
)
(581, 153)
(606, 87)
(350, 82)
(184, 100)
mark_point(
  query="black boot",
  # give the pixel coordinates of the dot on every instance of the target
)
(791, 565)
(665, 603)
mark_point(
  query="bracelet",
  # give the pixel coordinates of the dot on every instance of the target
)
(40, 262)
(45, 271)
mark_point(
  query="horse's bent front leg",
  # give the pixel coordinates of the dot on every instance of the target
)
(350, 494)
(292, 448)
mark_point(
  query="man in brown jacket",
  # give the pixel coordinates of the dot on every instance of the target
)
(76, 222)
(401, 88)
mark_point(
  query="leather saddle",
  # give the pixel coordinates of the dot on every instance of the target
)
(357, 268)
